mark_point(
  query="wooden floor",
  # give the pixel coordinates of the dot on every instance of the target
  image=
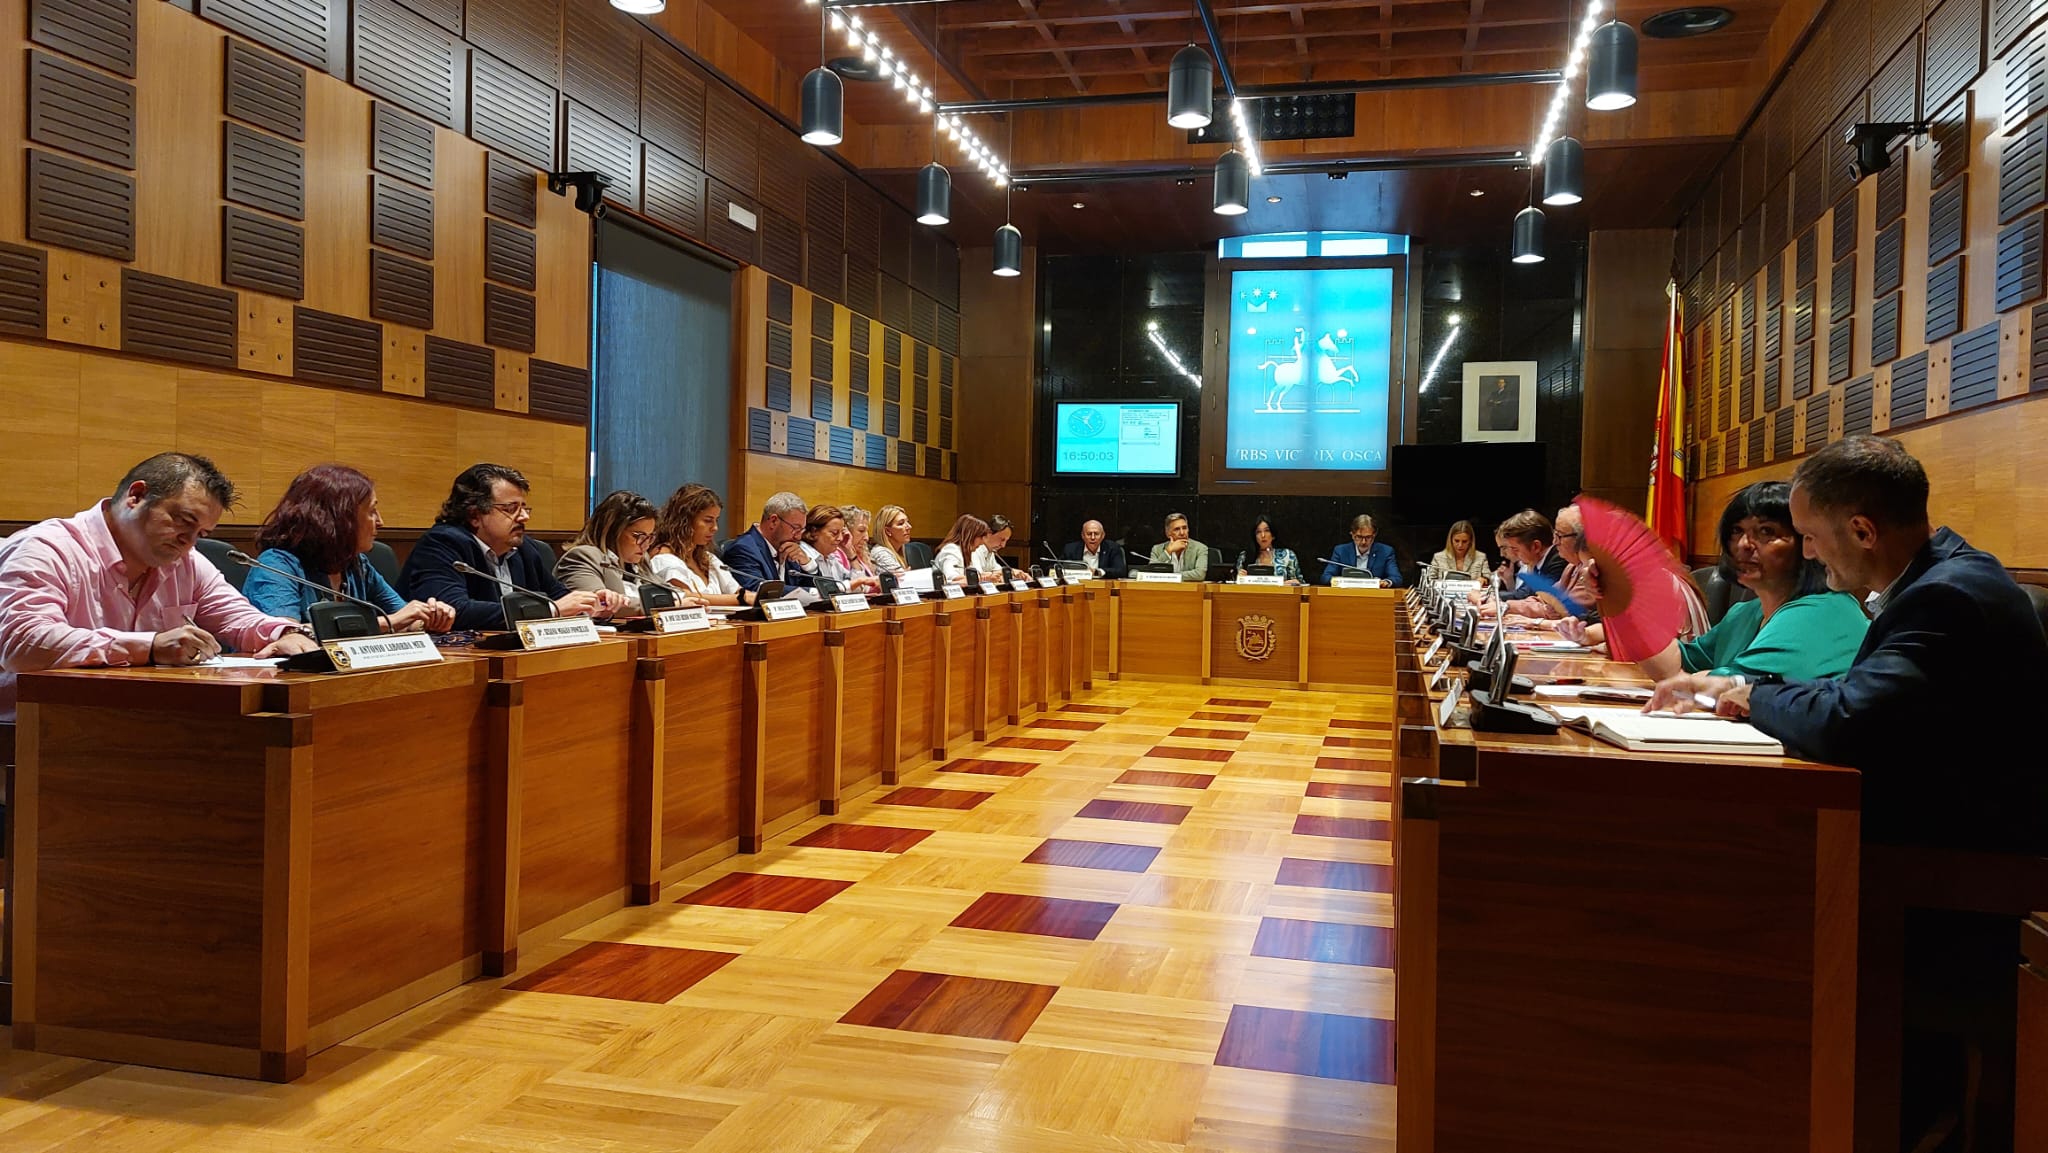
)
(1157, 920)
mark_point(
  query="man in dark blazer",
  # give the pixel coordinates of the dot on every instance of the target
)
(483, 525)
(1364, 551)
(1103, 556)
(772, 548)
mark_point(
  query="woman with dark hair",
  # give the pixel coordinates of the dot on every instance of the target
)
(949, 564)
(684, 554)
(614, 541)
(988, 558)
(1795, 628)
(322, 531)
(1266, 551)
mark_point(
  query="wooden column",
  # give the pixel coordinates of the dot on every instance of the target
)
(754, 746)
(1208, 635)
(831, 752)
(1116, 634)
(1301, 650)
(506, 701)
(978, 698)
(650, 741)
(892, 700)
(1013, 705)
(1048, 652)
(287, 901)
(942, 673)
(1084, 636)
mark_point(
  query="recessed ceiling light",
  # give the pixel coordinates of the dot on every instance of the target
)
(1479, 192)
(1682, 22)
(1272, 200)
(1080, 204)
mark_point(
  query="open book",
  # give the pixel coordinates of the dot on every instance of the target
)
(1668, 733)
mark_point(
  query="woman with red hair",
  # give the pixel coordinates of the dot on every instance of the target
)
(320, 532)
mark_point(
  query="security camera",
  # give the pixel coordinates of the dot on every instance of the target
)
(589, 188)
(1873, 143)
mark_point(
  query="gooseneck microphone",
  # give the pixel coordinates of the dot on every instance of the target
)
(247, 561)
(467, 569)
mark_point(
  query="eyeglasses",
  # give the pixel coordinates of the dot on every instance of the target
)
(516, 510)
(640, 538)
(1567, 535)
(796, 527)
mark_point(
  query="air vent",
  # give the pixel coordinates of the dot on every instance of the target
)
(1680, 23)
(1329, 116)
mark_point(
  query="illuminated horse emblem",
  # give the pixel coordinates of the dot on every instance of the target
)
(1255, 640)
(1286, 374)
(1328, 370)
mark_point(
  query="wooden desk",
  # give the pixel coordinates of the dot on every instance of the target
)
(1257, 635)
(2030, 1129)
(222, 870)
(690, 755)
(1602, 950)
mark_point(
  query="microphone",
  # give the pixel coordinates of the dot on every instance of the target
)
(247, 561)
(1348, 568)
(630, 575)
(468, 570)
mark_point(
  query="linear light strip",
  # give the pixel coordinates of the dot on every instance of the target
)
(1573, 65)
(1246, 142)
(916, 92)
(1158, 342)
(1435, 362)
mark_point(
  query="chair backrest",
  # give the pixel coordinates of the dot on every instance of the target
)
(547, 553)
(1718, 594)
(2039, 596)
(217, 552)
(917, 554)
(385, 562)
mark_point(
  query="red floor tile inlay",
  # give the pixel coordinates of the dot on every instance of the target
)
(956, 1006)
(1178, 753)
(1165, 780)
(1353, 828)
(987, 768)
(1239, 703)
(922, 798)
(1094, 855)
(1209, 734)
(766, 891)
(624, 972)
(1322, 941)
(1230, 718)
(1038, 744)
(864, 838)
(1372, 726)
(1349, 792)
(1357, 877)
(1357, 742)
(1135, 811)
(1352, 764)
(1100, 710)
(1309, 1044)
(1040, 916)
(1063, 723)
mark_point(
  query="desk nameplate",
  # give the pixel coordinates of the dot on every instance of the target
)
(681, 621)
(1261, 579)
(1163, 578)
(557, 633)
(361, 654)
(782, 610)
(952, 592)
(903, 597)
(1344, 582)
(849, 602)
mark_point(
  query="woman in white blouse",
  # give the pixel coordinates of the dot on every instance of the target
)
(887, 554)
(950, 562)
(683, 555)
(986, 558)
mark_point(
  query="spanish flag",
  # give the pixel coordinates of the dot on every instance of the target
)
(1667, 459)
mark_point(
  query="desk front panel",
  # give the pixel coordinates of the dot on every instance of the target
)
(1002, 655)
(1098, 615)
(1351, 636)
(860, 718)
(1159, 630)
(921, 638)
(966, 656)
(575, 787)
(1255, 632)
(398, 844)
(1058, 656)
(703, 759)
(1036, 633)
(797, 668)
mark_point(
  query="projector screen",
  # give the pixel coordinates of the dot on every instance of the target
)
(1309, 364)
(1140, 438)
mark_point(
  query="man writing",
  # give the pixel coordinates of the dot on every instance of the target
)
(1104, 557)
(773, 548)
(118, 584)
(483, 525)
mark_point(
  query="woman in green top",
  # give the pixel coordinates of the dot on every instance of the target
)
(1795, 628)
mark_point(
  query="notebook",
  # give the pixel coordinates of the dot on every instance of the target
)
(1667, 733)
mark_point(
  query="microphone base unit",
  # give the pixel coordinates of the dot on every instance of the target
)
(1490, 714)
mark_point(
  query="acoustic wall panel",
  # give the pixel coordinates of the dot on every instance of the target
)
(724, 233)
(401, 144)
(80, 110)
(558, 392)
(262, 253)
(672, 192)
(176, 320)
(596, 144)
(412, 63)
(1944, 299)
(262, 171)
(1945, 220)
(464, 374)
(401, 218)
(1909, 390)
(601, 61)
(1884, 328)
(672, 106)
(1955, 48)
(511, 190)
(310, 31)
(511, 111)
(337, 350)
(1842, 287)
(265, 91)
(72, 204)
(24, 290)
(1973, 368)
(2022, 167)
(510, 254)
(508, 318)
(1856, 406)
(99, 32)
(1817, 416)
(401, 290)
(1781, 433)
(1839, 336)
(2019, 277)
(527, 34)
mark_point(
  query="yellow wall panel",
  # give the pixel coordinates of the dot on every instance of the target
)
(39, 426)
(405, 360)
(220, 416)
(178, 132)
(83, 299)
(266, 334)
(298, 432)
(337, 197)
(13, 127)
(112, 432)
(459, 237)
(932, 504)
(562, 280)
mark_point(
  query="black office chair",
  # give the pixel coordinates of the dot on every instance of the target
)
(547, 553)
(2039, 596)
(385, 562)
(917, 554)
(217, 552)
(1718, 593)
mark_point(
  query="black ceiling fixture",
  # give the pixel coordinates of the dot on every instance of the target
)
(1679, 23)
(854, 68)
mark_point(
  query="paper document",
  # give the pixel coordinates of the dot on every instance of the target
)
(241, 663)
(1669, 733)
(917, 578)
(1592, 692)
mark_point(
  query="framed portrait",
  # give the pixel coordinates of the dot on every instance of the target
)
(1500, 400)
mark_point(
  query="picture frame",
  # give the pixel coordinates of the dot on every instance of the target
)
(1500, 400)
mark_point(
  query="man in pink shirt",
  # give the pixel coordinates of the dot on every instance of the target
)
(118, 584)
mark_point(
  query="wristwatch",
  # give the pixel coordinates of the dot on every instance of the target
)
(1758, 679)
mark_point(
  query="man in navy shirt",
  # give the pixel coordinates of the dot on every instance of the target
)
(1378, 558)
(773, 549)
(483, 525)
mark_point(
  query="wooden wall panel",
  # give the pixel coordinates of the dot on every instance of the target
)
(512, 111)
(337, 206)
(401, 144)
(595, 143)
(265, 90)
(409, 61)
(672, 106)
(179, 139)
(563, 241)
(262, 253)
(524, 33)
(459, 255)
(672, 192)
(99, 32)
(76, 205)
(601, 62)
(81, 110)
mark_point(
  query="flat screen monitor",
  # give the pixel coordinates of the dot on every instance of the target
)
(1437, 484)
(1311, 354)
(1110, 437)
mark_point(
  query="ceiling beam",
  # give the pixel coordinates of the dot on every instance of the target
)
(1216, 47)
(1001, 44)
(1025, 180)
(1472, 34)
(1250, 92)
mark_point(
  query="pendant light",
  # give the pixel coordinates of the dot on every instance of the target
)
(1233, 184)
(1564, 172)
(934, 194)
(1529, 236)
(1189, 101)
(1611, 68)
(824, 103)
(1009, 253)
(640, 7)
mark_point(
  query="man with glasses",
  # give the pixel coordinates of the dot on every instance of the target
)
(1580, 579)
(773, 549)
(1364, 551)
(483, 525)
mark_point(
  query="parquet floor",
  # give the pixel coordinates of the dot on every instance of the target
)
(1158, 921)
